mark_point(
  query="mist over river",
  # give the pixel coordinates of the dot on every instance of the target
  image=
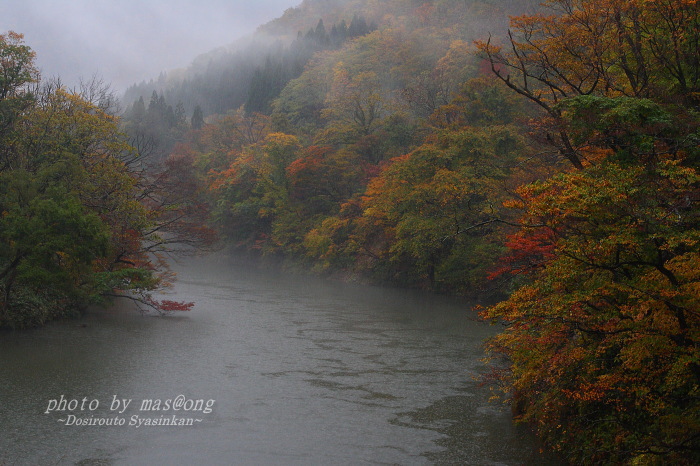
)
(267, 369)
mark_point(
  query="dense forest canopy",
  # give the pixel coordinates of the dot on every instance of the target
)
(603, 337)
(550, 161)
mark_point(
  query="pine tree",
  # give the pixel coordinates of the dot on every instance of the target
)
(197, 120)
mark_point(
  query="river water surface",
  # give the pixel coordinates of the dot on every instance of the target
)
(295, 370)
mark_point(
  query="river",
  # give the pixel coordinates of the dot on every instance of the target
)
(269, 369)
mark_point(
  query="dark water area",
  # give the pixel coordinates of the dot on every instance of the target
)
(269, 369)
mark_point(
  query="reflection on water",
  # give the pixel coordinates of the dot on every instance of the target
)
(302, 371)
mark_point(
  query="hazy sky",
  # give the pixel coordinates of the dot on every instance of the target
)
(127, 41)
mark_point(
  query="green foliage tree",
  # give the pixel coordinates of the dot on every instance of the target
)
(252, 191)
(75, 223)
(354, 106)
(17, 75)
(432, 213)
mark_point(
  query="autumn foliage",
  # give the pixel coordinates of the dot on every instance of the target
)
(602, 342)
(554, 165)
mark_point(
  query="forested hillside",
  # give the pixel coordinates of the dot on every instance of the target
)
(295, 152)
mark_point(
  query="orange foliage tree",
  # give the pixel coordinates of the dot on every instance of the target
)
(634, 48)
(603, 341)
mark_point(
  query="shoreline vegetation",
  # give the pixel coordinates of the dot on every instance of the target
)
(552, 159)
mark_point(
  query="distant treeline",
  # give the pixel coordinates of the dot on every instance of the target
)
(251, 76)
